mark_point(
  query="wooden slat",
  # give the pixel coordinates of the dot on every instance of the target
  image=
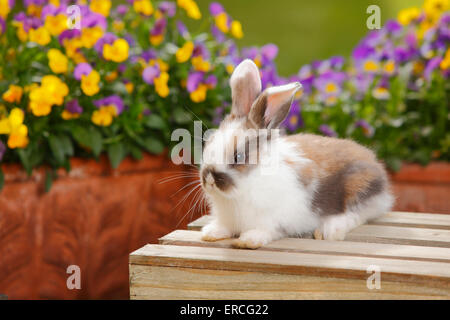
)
(429, 273)
(152, 282)
(400, 235)
(348, 248)
(414, 220)
(397, 218)
(378, 233)
(199, 223)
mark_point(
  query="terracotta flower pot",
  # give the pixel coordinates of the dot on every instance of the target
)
(422, 189)
(92, 217)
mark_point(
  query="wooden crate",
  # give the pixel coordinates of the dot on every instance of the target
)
(411, 251)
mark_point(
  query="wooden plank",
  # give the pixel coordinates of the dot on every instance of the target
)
(199, 223)
(396, 218)
(400, 235)
(429, 273)
(153, 282)
(414, 220)
(381, 234)
(348, 248)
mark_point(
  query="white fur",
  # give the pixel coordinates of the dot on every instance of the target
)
(265, 204)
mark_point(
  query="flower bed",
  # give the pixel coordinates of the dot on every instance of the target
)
(132, 73)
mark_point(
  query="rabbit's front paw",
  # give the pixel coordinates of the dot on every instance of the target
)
(215, 232)
(252, 239)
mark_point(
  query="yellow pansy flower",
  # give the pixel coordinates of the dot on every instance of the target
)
(156, 40)
(56, 24)
(104, 116)
(389, 67)
(161, 84)
(55, 88)
(184, 53)
(20, 31)
(58, 62)
(117, 52)
(370, 66)
(90, 36)
(90, 83)
(101, 6)
(434, 8)
(405, 16)
(199, 94)
(221, 21)
(67, 115)
(13, 94)
(445, 63)
(13, 125)
(236, 29)
(40, 36)
(4, 8)
(144, 7)
(200, 65)
(191, 8)
(34, 10)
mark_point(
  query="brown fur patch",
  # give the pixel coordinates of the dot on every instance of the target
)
(348, 173)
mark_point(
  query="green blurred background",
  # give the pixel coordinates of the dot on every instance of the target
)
(305, 30)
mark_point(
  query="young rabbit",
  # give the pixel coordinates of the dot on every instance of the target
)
(298, 184)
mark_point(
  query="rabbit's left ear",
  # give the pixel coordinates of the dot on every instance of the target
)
(272, 106)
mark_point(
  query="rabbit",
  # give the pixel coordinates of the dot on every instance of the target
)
(309, 184)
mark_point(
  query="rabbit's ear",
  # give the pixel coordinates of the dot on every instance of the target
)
(245, 86)
(273, 105)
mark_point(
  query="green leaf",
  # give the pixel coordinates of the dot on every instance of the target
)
(57, 148)
(67, 145)
(153, 145)
(48, 180)
(96, 141)
(81, 135)
(24, 159)
(181, 116)
(116, 153)
(154, 121)
(136, 153)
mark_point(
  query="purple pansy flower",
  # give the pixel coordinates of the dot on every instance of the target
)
(431, 65)
(159, 27)
(122, 9)
(82, 69)
(217, 34)
(73, 106)
(68, 34)
(150, 73)
(211, 80)
(114, 100)
(168, 8)
(367, 129)
(182, 29)
(215, 8)
(107, 38)
(193, 80)
(328, 131)
(393, 27)
(294, 120)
